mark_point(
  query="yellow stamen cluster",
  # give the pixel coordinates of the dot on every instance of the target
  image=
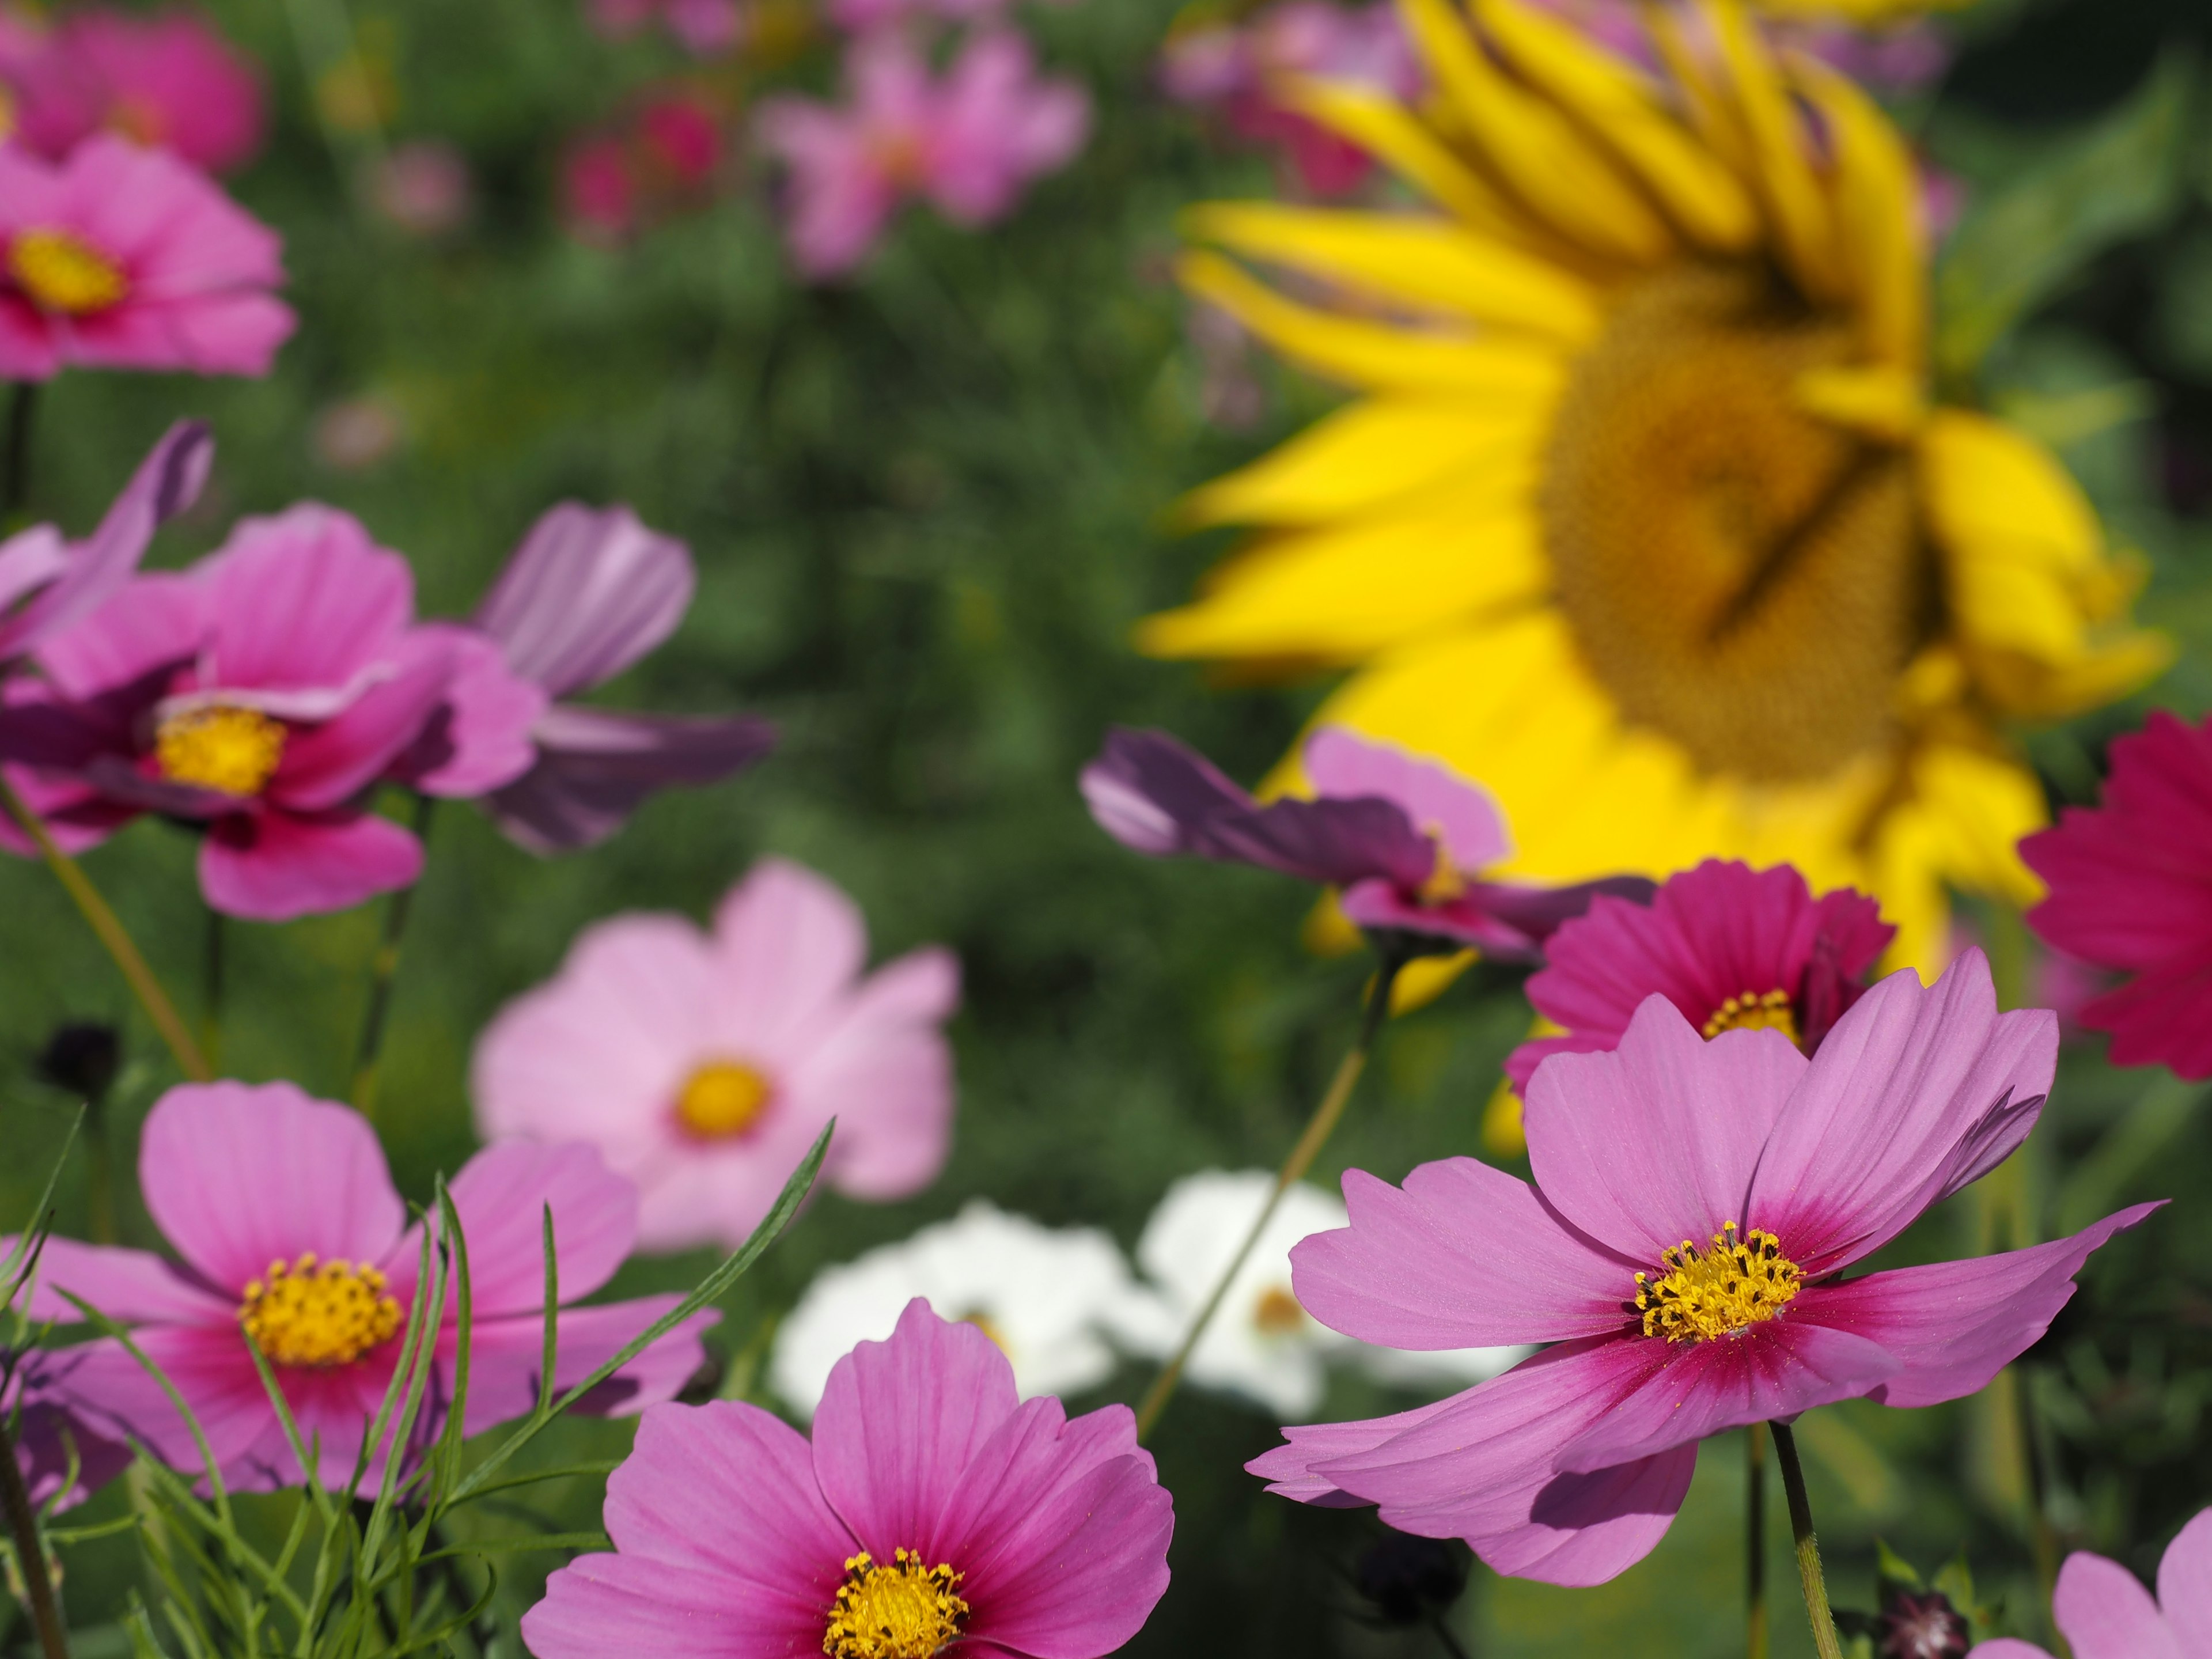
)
(1754, 1012)
(1278, 1313)
(235, 751)
(60, 272)
(900, 1611)
(1721, 1291)
(318, 1313)
(723, 1100)
(1445, 883)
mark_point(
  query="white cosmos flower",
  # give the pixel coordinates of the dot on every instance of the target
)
(1049, 1298)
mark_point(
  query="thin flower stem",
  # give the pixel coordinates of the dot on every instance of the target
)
(99, 1165)
(15, 480)
(1451, 1643)
(111, 932)
(1754, 1558)
(383, 969)
(212, 1012)
(1825, 1642)
(1318, 1128)
(30, 1555)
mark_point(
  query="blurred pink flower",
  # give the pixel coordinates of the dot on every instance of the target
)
(355, 434)
(423, 187)
(286, 1225)
(168, 79)
(124, 258)
(704, 1066)
(968, 142)
(705, 28)
(598, 200)
(857, 16)
(2104, 1612)
(663, 157)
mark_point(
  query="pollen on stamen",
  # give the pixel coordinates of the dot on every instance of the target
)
(1733, 1284)
(899, 1609)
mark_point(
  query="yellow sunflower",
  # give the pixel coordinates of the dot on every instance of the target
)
(1644, 516)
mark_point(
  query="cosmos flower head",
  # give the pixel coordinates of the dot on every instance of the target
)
(703, 1065)
(62, 1457)
(1643, 512)
(167, 80)
(2104, 1612)
(662, 157)
(932, 1506)
(286, 1227)
(1729, 945)
(123, 257)
(1685, 1248)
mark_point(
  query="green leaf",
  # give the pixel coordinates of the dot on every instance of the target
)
(1893, 1569)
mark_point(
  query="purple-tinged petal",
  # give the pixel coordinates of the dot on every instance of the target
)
(1957, 1324)
(507, 1358)
(1153, 794)
(900, 1419)
(29, 561)
(305, 601)
(327, 765)
(597, 766)
(1290, 1469)
(2105, 1613)
(2184, 1585)
(482, 738)
(49, 1438)
(278, 867)
(1456, 811)
(586, 594)
(127, 1285)
(210, 1368)
(501, 1195)
(238, 1176)
(1656, 1142)
(1465, 1257)
(146, 630)
(1539, 912)
(1381, 906)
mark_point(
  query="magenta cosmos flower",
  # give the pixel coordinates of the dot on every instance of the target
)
(933, 1507)
(169, 80)
(1729, 945)
(62, 1459)
(261, 696)
(586, 595)
(286, 1225)
(2104, 1612)
(968, 142)
(124, 258)
(1697, 1204)
(2131, 886)
(1405, 840)
(704, 1066)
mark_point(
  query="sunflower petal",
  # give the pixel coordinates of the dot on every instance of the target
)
(1884, 403)
(1798, 208)
(1878, 216)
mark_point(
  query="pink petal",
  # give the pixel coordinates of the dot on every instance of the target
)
(2009, 1647)
(2106, 1613)
(790, 944)
(885, 1072)
(501, 1195)
(586, 595)
(1656, 1141)
(1438, 800)
(238, 1176)
(303, 601)
(127, 1285)
(278, 867)
(507, 1356)
(481, 739)
(1465, 1257)
(2184, 1585)
(210, 1368)
(152, 622)
(600, 1605)
(595, 767)
(327, 765)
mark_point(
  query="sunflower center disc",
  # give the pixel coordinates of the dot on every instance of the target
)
(1742, 577)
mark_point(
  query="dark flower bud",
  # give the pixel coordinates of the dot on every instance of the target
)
(1410, 1579)
(81, 1059)
(1922, 1626)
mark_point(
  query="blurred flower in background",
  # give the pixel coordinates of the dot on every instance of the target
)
(705, 28)
(1056, 1300)
(167, 79)
(664, 156)
(423, 187)
(704, 1065)
(62, 1459)
(2104, 1612)
(356, 434)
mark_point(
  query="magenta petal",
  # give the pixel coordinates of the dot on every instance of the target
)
(586, 595)
(125, 1286)
(277, 867)
(210, 1367)
(2106, 1613)
(900, 1419)
(237, 1176)
(1440, 802)
(305, 601)
(480, 738)
(601, 1605)
(328, 764)
(2185, 1584)
(597, 766)
(1465, 1257)
(1957, 1324)
(501, 1195)
(506, 1359)
(1656, 1141)
(154, 622)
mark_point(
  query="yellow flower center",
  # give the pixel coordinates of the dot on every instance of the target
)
(903, 1611)
(321, 1314)
(723, 1100)
(1754, 1012)
(60, 272)
(1279, 1313)
(1742, 576)
(1445, 883)
(233, 751)
(1722, 1291)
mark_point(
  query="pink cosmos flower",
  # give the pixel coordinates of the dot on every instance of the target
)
(1727, 944)
(704, 1066)
(124, 258)
(932, 1501)
(1405, 839)
(167, 80)
(857, 16)
(968, 142)
(2104, 1612)
(286, 1225)
(54, 1444)
(2131, 890)
(423, 187)
(263, 694)
(660, 158)
(587, 595)
(1696, 1206)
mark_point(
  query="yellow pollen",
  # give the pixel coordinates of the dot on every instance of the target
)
(1279, 1313)
(321, 1314)
(1445, 883)
(60, 272)
(1753, 1012)
(1721, 1291)
(985, 1323)
(233, 750)
(723, 1100)
(903, 1611)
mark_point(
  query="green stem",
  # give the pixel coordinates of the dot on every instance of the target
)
(211, 1014)
(1825, 1642)
(100, 1164)
(383, 968)
(1317, 1131)
(30, 1555)
(112, 934)
(1754, 1559)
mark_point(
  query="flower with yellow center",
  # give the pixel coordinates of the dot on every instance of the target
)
(897, 1610)
(234, 751)
(1644, 518)
(318, 1314)
(723, 1100)
(59, 271)
(1721, 1291)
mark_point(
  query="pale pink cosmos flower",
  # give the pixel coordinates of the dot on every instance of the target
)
(968, 142)
(285, 1224)
(124, 258)
(2104, 1612)
(703, 1066)
(1696, 1209)
(167, 79)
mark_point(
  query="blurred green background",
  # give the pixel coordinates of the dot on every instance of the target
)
(926, 507)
